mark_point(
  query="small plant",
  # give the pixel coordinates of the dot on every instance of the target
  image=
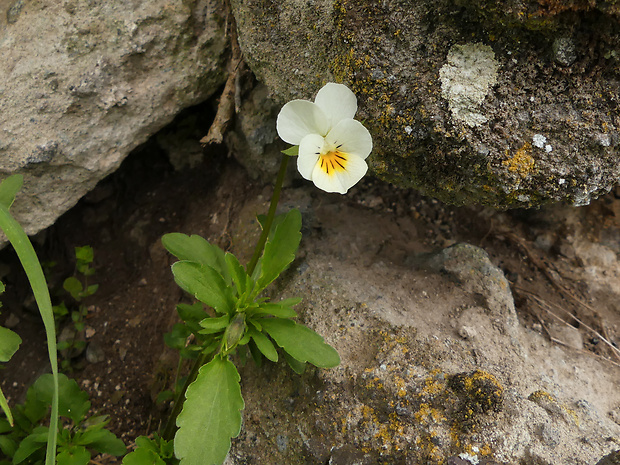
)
(232, 316)
(78, 288)
(25, 442)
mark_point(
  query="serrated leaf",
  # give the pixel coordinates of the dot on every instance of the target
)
(196, 249)
(102, 441)
(301, 342)
(9, 343)
(280, 249)
(73, 403)
(142, 456)
(297, 366)
(144, 442)
(292, 151)
(204, 283)
(9, 188)
(265, 346)
(211, 415)
(74, 455)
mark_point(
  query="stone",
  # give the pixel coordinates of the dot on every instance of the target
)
(84, 83)
(508, 104)
(409, 389)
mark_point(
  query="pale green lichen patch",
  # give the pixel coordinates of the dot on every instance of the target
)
(466, 79)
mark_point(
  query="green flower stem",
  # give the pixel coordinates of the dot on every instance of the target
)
(170, 428)
(275, 198)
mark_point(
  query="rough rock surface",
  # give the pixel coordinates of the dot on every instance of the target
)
(436, 368)
(510, 104)
(83, 83)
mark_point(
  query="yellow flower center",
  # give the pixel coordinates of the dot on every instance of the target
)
(333, 162)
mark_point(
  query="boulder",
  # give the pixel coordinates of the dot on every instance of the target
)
(84, 83)
(436, 367)
(508, 104)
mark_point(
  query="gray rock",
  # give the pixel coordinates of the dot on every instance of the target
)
(409, 390)
(510, 104)
(83, 83)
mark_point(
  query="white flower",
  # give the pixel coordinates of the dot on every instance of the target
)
(332, 145)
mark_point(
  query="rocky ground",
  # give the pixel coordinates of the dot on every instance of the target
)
(463, 331)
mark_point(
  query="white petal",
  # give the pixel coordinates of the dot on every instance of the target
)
(309, 151)
(350, 136)
(337, 102)
(356, 169)
(298, 118)
(327, 182)
(340, 180)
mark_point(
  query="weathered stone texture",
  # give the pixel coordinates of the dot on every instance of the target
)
(82, 83)
(510, 104)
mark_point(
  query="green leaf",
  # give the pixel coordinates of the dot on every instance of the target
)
(74, 455)
(7, 446)
(177, 338)
(9, 188)
(5, 426)
(143, 456)
(30, 444)
(85, 254)
(90, 290)
(214, 325)
(280, 309)
(196, 249)
(211, 415)
(28, 258)
(74, 287)
(194, 313)
(292, 151)
(9, 343)
(256, 354)
(297, 366)
(239, 276)
(280, 249)
(301, 342)
(73, 403)
(102, 441)
(204, 283)
(5, 408)
(264, 345)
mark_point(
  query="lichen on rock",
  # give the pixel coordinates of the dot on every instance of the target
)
(466, 79)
